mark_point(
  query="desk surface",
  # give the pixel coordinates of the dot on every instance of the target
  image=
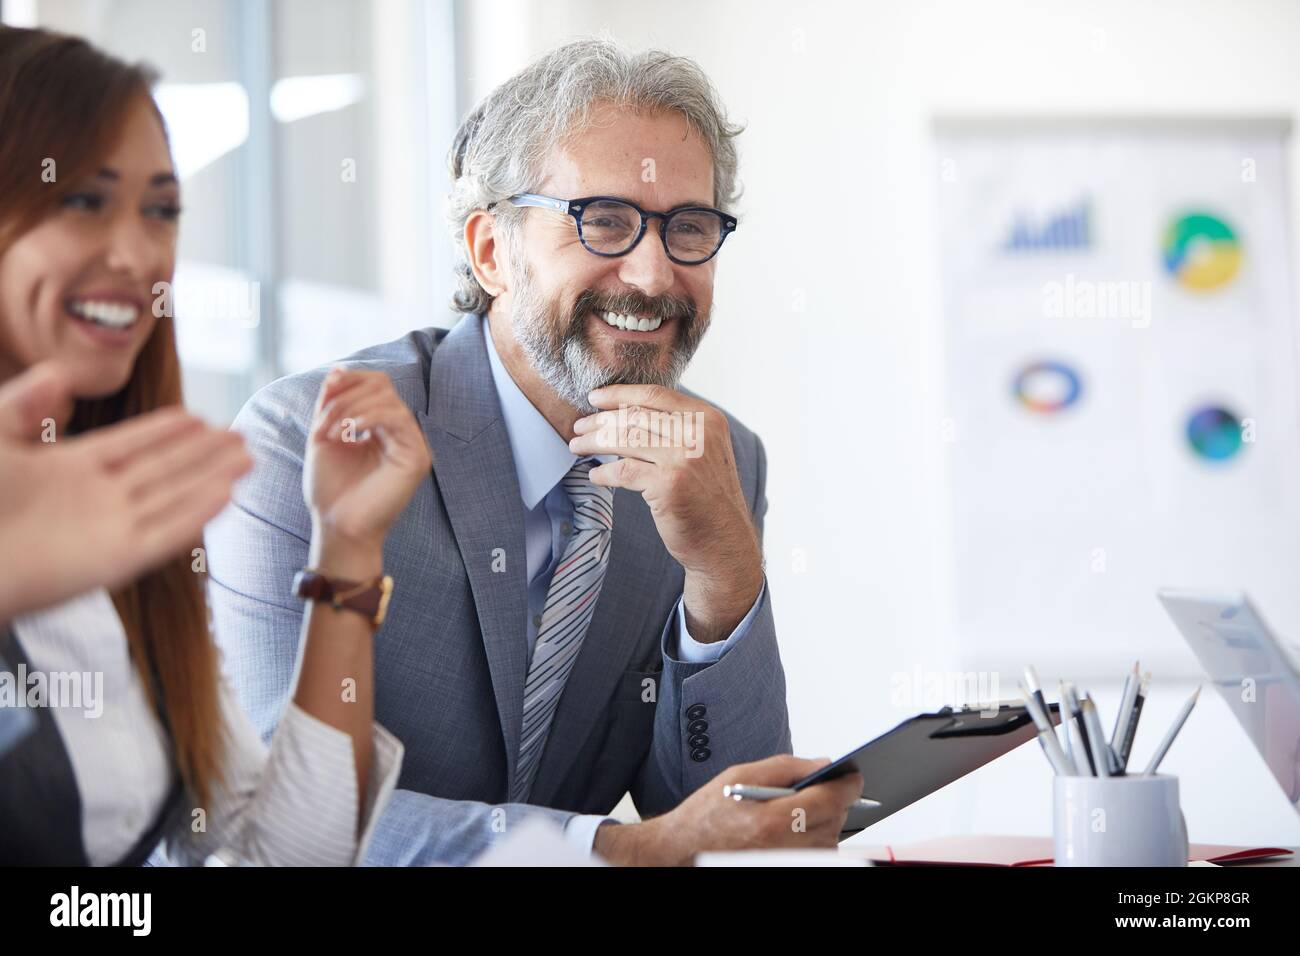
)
(1012, 850)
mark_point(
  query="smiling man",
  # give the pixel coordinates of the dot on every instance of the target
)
(579, 608)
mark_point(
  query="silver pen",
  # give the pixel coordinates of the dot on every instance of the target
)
(1125, 713)
(1068, 742)
(1165, 744)
(1096, 738)
(1033, 687)
(1042, 719)
(750, 791)
(1126, 747)
(1077, 732)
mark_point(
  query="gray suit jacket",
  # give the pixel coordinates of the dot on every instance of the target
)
(451, 658)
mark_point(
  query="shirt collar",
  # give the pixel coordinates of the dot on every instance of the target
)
(541, 456)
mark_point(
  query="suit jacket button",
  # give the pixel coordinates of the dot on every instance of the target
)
(698, 740)
(696, 711)
(697, 726)
(701, 754)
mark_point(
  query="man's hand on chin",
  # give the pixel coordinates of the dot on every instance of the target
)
(676, 451)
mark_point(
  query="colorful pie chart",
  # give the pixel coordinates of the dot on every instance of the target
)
(1047, 387)
(1214, 433)
(1201, 251)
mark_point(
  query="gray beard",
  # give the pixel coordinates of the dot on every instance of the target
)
(556, 346)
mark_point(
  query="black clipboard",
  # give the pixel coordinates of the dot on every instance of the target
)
(926, 753)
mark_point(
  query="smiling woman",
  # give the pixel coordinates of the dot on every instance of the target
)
(171, 762)
(90, 229)
(87, 227)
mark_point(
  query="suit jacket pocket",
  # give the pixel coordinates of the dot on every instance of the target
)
(625, 742)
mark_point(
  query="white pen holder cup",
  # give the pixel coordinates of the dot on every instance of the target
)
(1118, 821)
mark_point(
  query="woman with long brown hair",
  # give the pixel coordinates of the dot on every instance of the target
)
(89, 205)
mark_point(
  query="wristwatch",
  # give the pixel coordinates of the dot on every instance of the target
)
(367, 598)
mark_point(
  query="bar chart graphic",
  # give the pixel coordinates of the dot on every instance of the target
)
(1067, 230)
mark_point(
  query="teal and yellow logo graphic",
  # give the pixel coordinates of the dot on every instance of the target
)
(1201, 251)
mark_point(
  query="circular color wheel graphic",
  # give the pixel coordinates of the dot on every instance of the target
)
(1214, 433)
(1201, 251)
(1047, 387)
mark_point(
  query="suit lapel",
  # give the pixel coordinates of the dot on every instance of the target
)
(638, 566)
(475, 473)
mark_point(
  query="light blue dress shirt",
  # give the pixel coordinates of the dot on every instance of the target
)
(15, 723)
(542, 459)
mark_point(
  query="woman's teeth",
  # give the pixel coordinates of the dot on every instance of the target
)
(631, 323)
(114, 315)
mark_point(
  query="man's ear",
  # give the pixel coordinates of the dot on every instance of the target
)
(486, 255)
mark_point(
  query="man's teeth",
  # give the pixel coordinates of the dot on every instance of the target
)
(632, 323)
(115, 315)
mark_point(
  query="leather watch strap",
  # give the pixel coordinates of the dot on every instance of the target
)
(367, 598)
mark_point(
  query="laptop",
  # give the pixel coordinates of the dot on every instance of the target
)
(1255, 672)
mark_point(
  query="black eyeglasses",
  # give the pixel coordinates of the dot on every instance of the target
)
(609, 226)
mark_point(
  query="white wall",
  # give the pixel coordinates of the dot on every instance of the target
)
(352, 260)
(848, 393)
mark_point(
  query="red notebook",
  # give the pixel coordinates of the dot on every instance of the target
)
(1027, 851)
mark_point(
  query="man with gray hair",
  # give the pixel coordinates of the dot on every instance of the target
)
(578, 608)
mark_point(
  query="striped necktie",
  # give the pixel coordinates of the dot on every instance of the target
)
(570, 601)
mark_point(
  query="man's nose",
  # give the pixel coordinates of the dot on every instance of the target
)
(647, 267)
